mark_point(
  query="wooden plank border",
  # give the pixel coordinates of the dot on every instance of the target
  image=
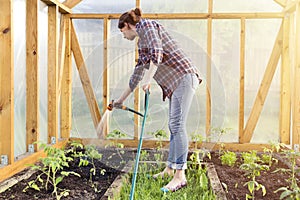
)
(23, 162)
(7, 81)
(62, 8)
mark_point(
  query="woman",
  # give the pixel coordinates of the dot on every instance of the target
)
(160, 58)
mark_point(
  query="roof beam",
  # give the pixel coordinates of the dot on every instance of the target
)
(71, 3)
(61, 7)
(282, 3)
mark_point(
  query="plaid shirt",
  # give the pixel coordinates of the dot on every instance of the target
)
(156, 45)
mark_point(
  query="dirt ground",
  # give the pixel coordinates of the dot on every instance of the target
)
(113, 161)
(235, 179)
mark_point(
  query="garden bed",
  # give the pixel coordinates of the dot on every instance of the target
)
(113, 161)
(233, 178)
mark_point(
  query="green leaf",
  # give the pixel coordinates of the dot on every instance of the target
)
(264, 191)
(251, 186)
(33, 185)
(285, 194)
(58, 180)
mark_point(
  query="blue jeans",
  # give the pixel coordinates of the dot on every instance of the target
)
(179, 106)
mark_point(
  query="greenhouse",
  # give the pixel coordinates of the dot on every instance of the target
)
(65, 66)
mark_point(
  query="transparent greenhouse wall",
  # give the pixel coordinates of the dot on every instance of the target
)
(260, 39)
(19, 15)
(90, 36)
(192, 37)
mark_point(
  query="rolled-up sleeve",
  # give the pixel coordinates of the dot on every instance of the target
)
(139, 70)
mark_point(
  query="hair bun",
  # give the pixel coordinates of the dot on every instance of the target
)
(138, 12)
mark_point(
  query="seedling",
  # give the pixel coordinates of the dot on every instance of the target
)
(228, 158)
(268, 156)
(292, 191)
(253, 169)
(52, 167)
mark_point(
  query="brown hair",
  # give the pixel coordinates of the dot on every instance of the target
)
(132, 17)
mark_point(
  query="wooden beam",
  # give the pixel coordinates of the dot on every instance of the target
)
(32, 73)
(52, 73)
(84, 77)
(24, 161)
(208, 78)
(242, 78)
(106, 98)
(129, 143)
(136, 92)
(263, 90)
(291, 6)
(7, 81)
(66, 95)
(296, 106)
(262, 15)
(61, 7)
(285, 85)
(71, 3)
(61, 53)
(282, 3)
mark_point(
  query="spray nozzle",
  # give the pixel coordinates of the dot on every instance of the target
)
(113, 105)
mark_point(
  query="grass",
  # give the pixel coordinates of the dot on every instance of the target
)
(149, 189)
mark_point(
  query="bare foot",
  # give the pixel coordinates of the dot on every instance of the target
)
(166, 172)
(175, 184)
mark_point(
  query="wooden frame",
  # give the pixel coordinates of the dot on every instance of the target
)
(61, 46)
(7, 82)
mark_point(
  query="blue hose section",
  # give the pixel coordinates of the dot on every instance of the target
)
(136, 166)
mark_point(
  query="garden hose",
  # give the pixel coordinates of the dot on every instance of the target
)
(147, 93)
(111, 106)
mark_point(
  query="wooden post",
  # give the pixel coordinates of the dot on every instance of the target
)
(106, 99)
(84, 77)
(66, 94)
(285, 91)
(7, 81)
(137, 97)
(32, 73)
(242, 77)
(263, 90)
(296, 106)
(208, 72)
(52, 74)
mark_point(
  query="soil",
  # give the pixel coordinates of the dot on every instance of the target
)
(81, 187)
(234, 178)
